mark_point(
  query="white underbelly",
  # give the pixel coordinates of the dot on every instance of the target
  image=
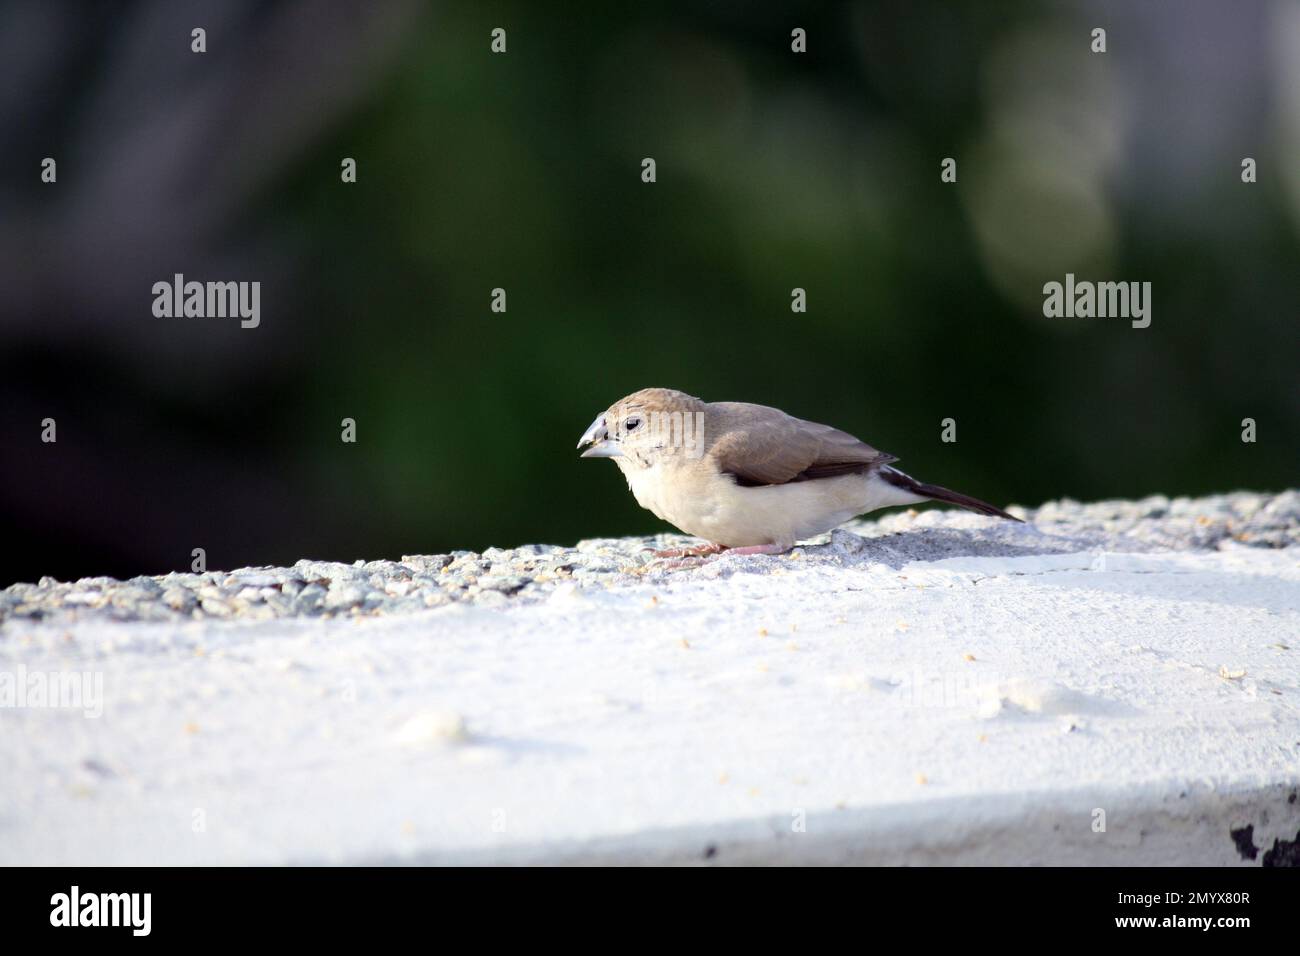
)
(717, 509)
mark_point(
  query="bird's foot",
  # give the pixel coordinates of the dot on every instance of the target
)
(758, 549)
(677, 564)
(675, 558)
(698, 551)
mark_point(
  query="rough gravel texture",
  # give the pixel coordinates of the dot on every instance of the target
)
(499, 576)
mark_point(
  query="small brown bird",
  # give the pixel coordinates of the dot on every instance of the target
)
(747, 478)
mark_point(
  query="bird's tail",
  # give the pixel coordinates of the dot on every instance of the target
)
(934, 492)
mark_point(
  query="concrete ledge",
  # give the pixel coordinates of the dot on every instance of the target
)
(935, 688)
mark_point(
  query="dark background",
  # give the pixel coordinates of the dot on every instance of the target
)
(522, 170)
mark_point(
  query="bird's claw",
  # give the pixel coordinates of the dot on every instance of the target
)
(677, 564)
(697, 551)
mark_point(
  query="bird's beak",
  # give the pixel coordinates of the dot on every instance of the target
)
(602, 446)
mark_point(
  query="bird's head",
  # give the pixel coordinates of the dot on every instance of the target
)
(646, 427)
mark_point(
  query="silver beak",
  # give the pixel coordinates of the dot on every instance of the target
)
(598, 438)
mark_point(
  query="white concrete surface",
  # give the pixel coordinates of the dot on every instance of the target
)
(969, 710)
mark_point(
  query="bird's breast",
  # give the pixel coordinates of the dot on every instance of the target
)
(671, 493)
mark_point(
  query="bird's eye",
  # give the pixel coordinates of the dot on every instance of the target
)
(632, 423)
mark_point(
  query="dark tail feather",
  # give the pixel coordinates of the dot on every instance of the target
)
(900, 480)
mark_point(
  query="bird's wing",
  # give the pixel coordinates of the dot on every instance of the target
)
(765, 446)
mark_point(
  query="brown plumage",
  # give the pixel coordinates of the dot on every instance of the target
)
(765, 446)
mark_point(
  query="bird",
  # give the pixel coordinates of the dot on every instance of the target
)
(749, 479)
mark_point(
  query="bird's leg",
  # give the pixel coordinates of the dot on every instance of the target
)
(694, 557)
(758, 549)
(698, 551)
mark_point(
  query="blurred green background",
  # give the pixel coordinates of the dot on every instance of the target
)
(522, 171)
